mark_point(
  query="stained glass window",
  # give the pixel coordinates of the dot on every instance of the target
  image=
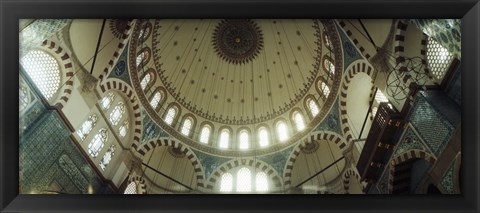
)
(97, 142)
(123, 129)
(107, 100)
(117, 113)
(44, 71)
(87, 126)
(107, 157)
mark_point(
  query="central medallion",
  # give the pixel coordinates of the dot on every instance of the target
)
(237, 40)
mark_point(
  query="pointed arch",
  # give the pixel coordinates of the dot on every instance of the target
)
(131, 98)
(189, 154)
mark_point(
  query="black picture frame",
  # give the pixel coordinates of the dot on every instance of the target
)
(11, 11)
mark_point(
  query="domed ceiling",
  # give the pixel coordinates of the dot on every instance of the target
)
(237, 73)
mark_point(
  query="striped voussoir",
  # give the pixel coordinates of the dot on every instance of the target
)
(66, 64)
(122, 43)
(151, 144)
(346, 179)
(314, 136)
(355, 68)
(141, 184)
(346, 28)
(402, 157)
(122, 87)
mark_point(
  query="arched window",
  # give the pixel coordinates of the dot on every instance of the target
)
(312, 106)
(438, 58)
(97, 142)
(282, 131)
(123, 129)
(187, 125)
(131, 188)
(244, 180)
(327, 41)
(205, 134)
(329, 66)
(107, 157)
(224, 139)
(261, 182)
(325, 89)
(263, 137)
(87, 126)
(107, 100)
(226, 183)
(117, 113)
(146, 80)
(142, 57)
(244, 142)
(155, 100)
(144, 32)
(44, 71)
(299, 122)
(170, 116)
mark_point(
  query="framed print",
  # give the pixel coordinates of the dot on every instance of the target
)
(239, 106)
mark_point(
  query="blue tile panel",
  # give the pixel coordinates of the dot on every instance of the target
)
(350, 52)
(278, 160)
(447, 180)
(409, 141)
(382, 184)
(151, 130)
(434, 128)
(331, 121)
(121, 68)
(209, 162)
(49, 160)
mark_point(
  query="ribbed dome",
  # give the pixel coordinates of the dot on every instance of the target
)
(237, 72)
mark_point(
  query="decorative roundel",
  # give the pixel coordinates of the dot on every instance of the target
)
(118, 27)
(237, 40)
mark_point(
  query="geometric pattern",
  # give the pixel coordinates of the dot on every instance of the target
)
(50, 162)
(447, 180)
(432, 127)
